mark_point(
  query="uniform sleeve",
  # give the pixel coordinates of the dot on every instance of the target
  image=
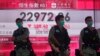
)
(97, 37)
(29, 42)
(67, 39)
(98, 31)
(14, 34)
(27, 32)
(51, 35)
(80, 39)
(14, 38)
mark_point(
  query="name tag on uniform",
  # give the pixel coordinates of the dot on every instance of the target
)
(57, 31)
(86, 31)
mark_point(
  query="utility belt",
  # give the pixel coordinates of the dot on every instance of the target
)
(63, 47)
(22, 45)
(93, 46)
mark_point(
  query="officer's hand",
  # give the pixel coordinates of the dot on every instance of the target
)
(98, 50)
(57, 49)
(81, 53)
(24, 40)
(68, 52)
(14, 45)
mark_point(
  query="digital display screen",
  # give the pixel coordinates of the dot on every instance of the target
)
(39, 17)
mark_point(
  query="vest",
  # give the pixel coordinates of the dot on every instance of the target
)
(62, 37)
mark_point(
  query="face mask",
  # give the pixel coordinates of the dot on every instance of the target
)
(90, 24)
(19, 25)
(61, 23)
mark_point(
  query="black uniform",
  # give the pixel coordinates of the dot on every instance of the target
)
(18, 41)
(62, 39)
(90, 38)
(21, 40)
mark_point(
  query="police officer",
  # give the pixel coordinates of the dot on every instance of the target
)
(89, 39)
(21, 40)
(58, 38)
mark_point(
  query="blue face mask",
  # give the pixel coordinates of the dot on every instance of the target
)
(90, 24)
(61, 23)
(19, 25)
